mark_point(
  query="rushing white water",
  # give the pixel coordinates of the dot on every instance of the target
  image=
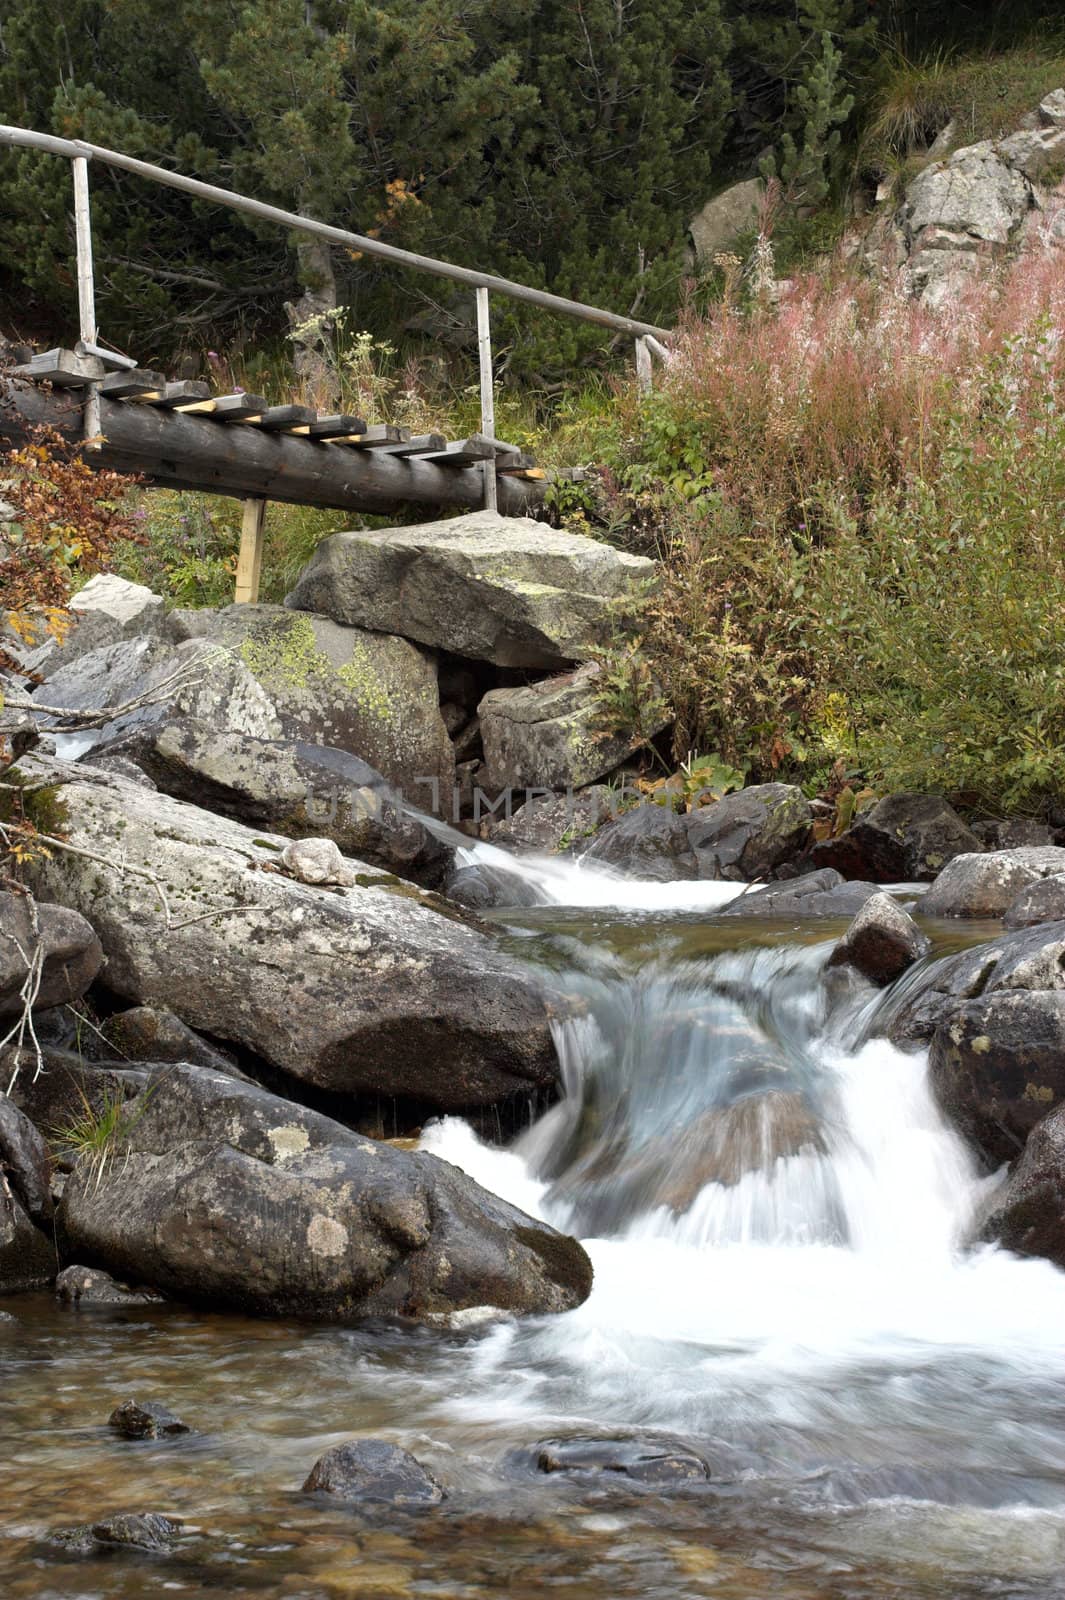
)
(571, 881)
(814, 1308)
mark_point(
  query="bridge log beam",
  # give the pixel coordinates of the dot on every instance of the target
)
(179, 451)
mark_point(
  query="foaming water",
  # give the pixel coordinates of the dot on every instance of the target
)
(569, 881)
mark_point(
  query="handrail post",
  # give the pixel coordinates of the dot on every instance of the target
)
(488, 401)
(86, 285)
(644, 381)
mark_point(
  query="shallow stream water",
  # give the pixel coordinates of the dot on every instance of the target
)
(776, 1213)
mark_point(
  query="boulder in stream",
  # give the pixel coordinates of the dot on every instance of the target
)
(148, 1419)
(1029, 959)
(882, 942)
(149, 1531)
(372, 1471)
(224, 1195)
(650, 842)
(986, 885)
(824, 893)
(367, 990)
(1028, 1216)
(88, 1286)
(744, 836)
(656, 1462)
(1043, 901)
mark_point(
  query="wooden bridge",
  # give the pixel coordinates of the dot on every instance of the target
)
(181, 435)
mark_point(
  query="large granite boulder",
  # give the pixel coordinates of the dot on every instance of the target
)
(365, 990)
(27, 1255)
(975, 195)
(1042, 901)
(882, 942)
(57, 945)
(222, 1194)
(549, 822)
(552, 734)
(25, 1162)
(106, 611)
(298, 789)
(1031, 959)
(723, 218)
(501, 589)
(745, 835)
(824, 893)
(986, 885)
(903, 838)
(649, 842)
(997, 1065)
(1028, 1216)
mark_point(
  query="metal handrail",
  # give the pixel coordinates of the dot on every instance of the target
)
(80, 152)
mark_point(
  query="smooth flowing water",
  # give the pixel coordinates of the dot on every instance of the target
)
(777, 1215)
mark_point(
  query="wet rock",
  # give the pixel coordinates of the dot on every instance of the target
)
(649, 842)
(365, 990)
(152, 1033)
(88, 1286)
(72, 953)
(481, 887)
(903, 838)
(502, 589)
(818, 894)
(27, 1256)
(1029, 1215)
(985, 885)
(744, 836)
(292, 1214)
(25, 1162)
(881, 943)
(1043, 901)
(548, 822)
(131, 1530)
(1031, 959)
(149, 1419)
(997, 1065)
(373, 1471)
(650, 1461)
(551, 734)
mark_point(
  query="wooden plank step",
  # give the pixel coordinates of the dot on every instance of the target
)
(64, 369)
(285, 419)
(466, 453)
(140, 384)
(422, 444)
(378, 437)
(178, 394)
(518, 465)
(335, 427)
(226, 407)
(526, 474)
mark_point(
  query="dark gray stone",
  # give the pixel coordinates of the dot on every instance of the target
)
(997, 1065)
(72, 952)
(1031, 959)
(881, 943)
(817, 894)
(556, 822)
(149, 1531)
(744, 836)
(481, 887)
(649, 1461)
(903, 838)
(371, 1471)
(1012, 833)
(25, 1162)
(27, 1256)
(88, 1286)
(148, 1419)
(985, 885)
(1038, 902)
(152, 1033)
(225, 1195)
(1028, 1216)
(649, 842)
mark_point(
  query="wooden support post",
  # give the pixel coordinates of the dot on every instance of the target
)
(488, 401)
(250, 559)
(86, 286)
(643, 366)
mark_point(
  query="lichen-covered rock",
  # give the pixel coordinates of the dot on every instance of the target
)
(149, 1531)
(649, 842)
(371, 1471)
(362, 990)
(556, 822)
(882, 942)
(225, 1195)
(1031, 959)
(985, 885)
(494, 588)
(745, 835)
(88, 1286)
(300, 789)
(72, 955)
(365, 692)
(903, 838)
(551, 734)
(997, 1065)
(147, 1419)
(1028, 1216)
